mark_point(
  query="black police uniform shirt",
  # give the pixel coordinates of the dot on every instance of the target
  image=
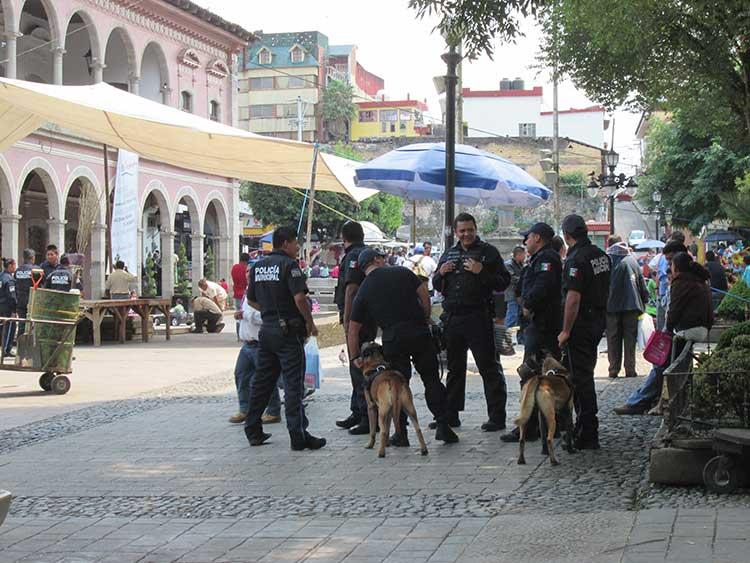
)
(8, 302)
(60, 279)
(463, 291)
(587, 270)
(48, 268)
(349, 272)
(23, 284)
(273, 283)
(388, 296)
(541, 290)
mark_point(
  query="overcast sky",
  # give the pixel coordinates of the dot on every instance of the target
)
(403, 50)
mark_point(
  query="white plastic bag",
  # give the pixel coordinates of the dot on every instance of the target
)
(313, 367)
(645, 330)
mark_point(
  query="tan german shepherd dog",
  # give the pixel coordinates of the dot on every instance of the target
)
(552, 392)
(386, 392)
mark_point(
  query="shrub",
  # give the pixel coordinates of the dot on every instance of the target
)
(731, 308)
(721, 383)
(726, 338)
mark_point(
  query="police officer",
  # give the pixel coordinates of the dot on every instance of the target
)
(541, 295)
(52, 261)
(277, 288)
(61, 278)
(8, 304)
(586, 284)
(351, 277)
(23, 285)
(399, 303)
(467, 275)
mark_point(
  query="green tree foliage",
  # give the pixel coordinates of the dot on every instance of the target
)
(150, 275)
(691, 173)
(182, 272)
(736, 205)
(209, 265)
(338, 107)
(692, 56)
(732, 308)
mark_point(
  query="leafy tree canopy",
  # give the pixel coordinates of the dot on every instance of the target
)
(337, 106)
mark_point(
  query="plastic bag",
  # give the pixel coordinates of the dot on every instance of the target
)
(658, 347)
(645, 330)
(313, 368)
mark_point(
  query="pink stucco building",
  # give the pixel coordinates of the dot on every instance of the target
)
(171, 51)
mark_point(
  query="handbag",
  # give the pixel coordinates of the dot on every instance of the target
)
(503, 341)
(658, 347)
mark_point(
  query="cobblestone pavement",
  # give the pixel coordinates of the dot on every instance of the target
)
(162, 476)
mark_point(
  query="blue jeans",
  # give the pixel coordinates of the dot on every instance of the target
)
(511, 316)
(649, 392)
(244, 371)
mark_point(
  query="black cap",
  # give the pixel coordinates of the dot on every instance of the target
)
(574, 225)
(367, 256)
(541, 229)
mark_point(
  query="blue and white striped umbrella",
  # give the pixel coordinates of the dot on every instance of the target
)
(417, 172)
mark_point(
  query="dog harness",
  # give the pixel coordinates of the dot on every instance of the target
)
(554, 373)
(373, 373)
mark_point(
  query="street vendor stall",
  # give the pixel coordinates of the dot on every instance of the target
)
(96, 310)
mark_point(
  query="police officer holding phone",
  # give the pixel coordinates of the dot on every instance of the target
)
(586, 275)
(277, 288)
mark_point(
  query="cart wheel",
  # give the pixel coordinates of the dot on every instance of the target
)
(60, 385)
(175, 322)
(156, 322)
(721, 475)
(45, 381)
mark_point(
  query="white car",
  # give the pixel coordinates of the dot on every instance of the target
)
(636, 237)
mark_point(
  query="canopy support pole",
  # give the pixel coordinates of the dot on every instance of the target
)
(108, 219)
(414, 221)
(310, 205)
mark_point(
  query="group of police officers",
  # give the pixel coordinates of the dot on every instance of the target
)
(564, 306)
(16, 282)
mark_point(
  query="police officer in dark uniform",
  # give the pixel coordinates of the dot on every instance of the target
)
(350, 279)
(52, 261)
(277, 288)
(467, 275)
(23, 285)
(8, 303)
(61, 278)
(541, 295)
(586, 284)
(399, 303)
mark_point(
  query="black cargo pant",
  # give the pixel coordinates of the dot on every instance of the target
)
(278, 355)
(580, 354)
(474, 332)
(409, 343)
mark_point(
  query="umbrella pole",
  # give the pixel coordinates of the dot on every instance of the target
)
(414, 222)
(310, 204)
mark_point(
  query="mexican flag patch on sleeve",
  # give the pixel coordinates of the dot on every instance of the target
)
(545, 267)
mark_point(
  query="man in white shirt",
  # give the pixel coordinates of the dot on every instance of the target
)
(423, 265)
(119, 282)
(244, 369)
(214, 292)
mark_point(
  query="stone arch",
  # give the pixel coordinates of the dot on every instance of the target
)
(86, 172)
(10, 20)
(133, 61)
(91, 28)
(191, 200)
(51, 182)
(222, 214)
(56, 32)
(157, 188)
(8, 196)
(80, 43)
(218, 241)
(154, 73)
(9, 222)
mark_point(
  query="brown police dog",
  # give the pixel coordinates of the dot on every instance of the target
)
(552, 392)
(387, 393)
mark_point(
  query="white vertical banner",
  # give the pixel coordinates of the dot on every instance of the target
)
(125, 211)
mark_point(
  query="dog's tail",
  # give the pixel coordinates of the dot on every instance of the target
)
(395, 405)
(528, 400)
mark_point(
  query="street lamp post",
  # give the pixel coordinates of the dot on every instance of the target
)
(656, 196)
(613, 182)
(451, 59)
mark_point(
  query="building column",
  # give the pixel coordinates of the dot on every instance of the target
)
(167, 264)
(57, 68)
(98, 68)
(139, 268)
(98, 262)
(56, 233)
(10, 231)
(135, 85)
(196, 241)
(11, 52)
(166, 94)
(224, 258)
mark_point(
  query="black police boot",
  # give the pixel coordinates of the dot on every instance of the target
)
(452, 419)
(256, 437)
(587, 442)
(399, 440)
(360, 429)
(349, 422)
(512, 436)
(492, 426)
(306, 442)
(445, 433)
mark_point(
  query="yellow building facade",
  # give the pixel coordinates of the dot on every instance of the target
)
(387, 118)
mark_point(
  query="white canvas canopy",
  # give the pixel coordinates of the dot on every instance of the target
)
(161, 133)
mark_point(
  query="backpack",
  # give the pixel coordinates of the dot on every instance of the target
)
(418, 269)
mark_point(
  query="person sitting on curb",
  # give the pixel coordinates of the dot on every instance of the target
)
(205, 311)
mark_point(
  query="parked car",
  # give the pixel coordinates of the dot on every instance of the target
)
(158, 319)
(636, 237)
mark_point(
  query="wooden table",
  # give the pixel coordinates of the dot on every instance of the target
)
(95, 310)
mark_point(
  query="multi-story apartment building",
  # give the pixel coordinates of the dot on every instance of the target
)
(169, 51)
(283, 78)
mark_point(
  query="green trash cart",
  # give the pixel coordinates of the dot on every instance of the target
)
(48, 340)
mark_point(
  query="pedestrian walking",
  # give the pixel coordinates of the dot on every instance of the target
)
(350, 279)
(24, 283)
(399, 303)
(541, 299)
(8, 304)
(719, 282)
(515, 267)
(239, 286)
(628, 296)
(586, 275)
(467, 275)
(277, 288)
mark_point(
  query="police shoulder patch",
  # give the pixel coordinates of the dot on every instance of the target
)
(545, 267)
(574, 272)
(296, 273)
(353, 264)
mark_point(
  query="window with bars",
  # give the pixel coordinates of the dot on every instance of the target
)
(298, 55)
(527, 129)
(186, 102)
(368, 116)
(260, 111)
(214, 111)
(262, 83)
(264, 57)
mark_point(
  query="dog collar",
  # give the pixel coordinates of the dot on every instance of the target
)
(377, 370)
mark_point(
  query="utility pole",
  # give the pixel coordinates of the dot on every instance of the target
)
(460, 95)
(556, 128)
(300, 119)
(310, 204)
(451, 58)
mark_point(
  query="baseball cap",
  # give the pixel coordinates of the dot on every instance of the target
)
(541, 229)
(367, 256)
(574, 225)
